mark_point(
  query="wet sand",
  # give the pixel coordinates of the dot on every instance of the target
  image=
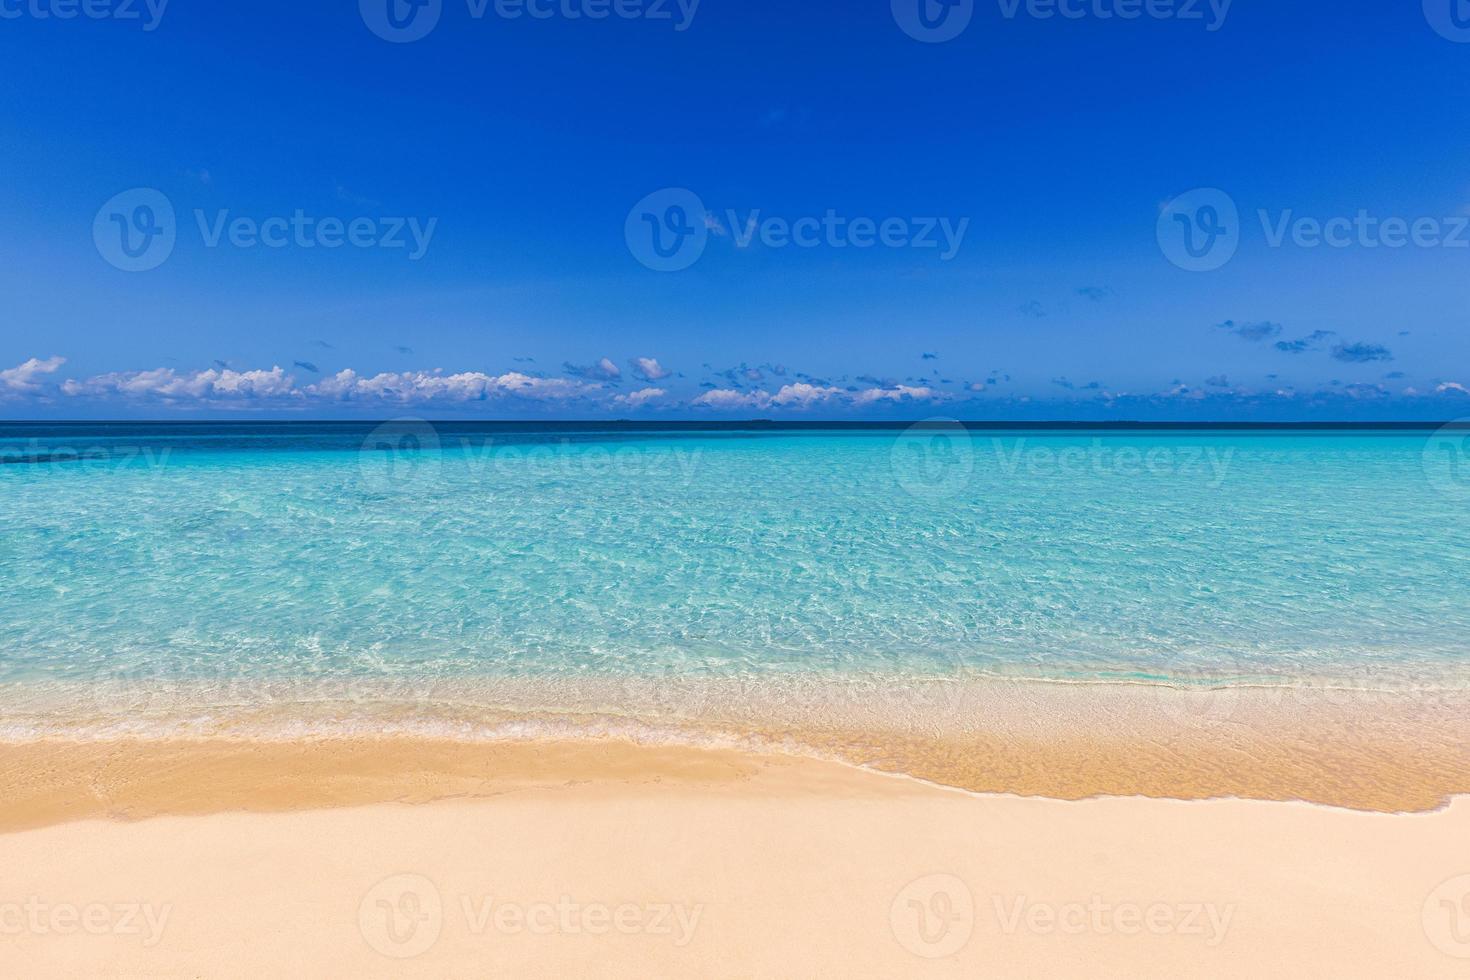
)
(1389, 751)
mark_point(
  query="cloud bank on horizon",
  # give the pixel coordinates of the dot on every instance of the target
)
(40, 388)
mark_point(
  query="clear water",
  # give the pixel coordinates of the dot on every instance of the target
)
(470, 551)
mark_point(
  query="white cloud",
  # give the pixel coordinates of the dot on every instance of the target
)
(729, 398)
(1452, 386)
(168, 384)
(1185, 391)
(406, 387)
(639, 398)
(897, 393)
(424, 386)
(803, 395)
(649, 369)
(24, 378)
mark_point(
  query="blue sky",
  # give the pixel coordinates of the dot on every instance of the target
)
(495, 167)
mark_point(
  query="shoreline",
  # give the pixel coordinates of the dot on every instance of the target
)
(1377, 750)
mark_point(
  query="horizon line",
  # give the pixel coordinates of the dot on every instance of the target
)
(778, 424)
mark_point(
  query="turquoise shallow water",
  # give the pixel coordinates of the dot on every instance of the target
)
(206, 551)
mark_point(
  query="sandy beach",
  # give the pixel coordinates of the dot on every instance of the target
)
(991, 829)
(613, 859)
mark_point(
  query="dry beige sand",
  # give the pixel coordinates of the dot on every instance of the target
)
(611, 859)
